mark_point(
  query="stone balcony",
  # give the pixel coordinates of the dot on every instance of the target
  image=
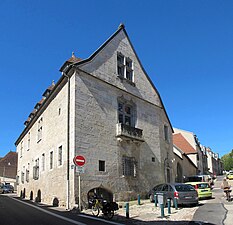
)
(126, 132)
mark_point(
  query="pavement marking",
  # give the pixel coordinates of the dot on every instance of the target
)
(67, 219)
(99, 219)
(50, 213)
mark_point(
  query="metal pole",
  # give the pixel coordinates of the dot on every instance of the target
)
(127, 209)
(139, 200)
(175, 203)
(162, 210)
(169, 206)
(156, 200)
(79, 193)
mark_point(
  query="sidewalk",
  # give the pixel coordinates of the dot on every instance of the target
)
(147, 213)
(229, 217)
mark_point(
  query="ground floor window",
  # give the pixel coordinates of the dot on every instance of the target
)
(129, 166)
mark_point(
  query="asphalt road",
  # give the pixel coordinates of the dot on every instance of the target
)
(18, 212)
(14, 211)
(212, 211)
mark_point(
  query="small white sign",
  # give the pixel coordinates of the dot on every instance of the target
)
(79, 169)
(160, 198)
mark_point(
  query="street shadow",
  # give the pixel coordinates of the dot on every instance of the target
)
(76, 215)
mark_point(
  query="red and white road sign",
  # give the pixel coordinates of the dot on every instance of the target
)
(79, 160)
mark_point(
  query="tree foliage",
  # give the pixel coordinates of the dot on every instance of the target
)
(228, 161)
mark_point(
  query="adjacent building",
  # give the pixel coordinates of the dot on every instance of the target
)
(205, 161)
(106, 109)
(196, 155)
(184, 155)
(8, 168)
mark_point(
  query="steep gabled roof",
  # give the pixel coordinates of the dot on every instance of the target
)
(66, 67)
(183, 144)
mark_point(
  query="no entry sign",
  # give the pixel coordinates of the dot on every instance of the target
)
(79, 160)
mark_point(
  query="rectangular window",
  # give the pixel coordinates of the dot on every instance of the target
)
(166, 136)
(27, 175)
(129, 69)
(29, 141)
(39, 134)
(60, 156)
(124, 67)
(17, 180)
(101, 165)
(125, 114)
(22, 177)
(43, 162)
(51, 160)
(129, 166)
(35, 172)
(21, 149)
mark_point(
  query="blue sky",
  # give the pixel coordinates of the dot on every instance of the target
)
(186, 47)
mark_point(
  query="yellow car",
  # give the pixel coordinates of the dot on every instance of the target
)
(203, 189)
(230, 176)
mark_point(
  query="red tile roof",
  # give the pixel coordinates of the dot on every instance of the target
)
(183, 144)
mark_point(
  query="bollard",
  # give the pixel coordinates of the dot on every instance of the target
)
(156, 200)
(162, 210)
(127, 209)
(169, 206)
(175, 203)
(139, 200)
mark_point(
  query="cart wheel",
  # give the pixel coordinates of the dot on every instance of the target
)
(95, 210)
(109, 214)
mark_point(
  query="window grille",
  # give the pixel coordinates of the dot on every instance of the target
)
(35, 172)
(129, 166)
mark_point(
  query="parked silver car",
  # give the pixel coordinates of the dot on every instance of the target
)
(185, 194)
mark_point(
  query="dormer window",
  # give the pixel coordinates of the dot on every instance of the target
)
(124, 67)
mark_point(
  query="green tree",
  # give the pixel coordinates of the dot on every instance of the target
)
(228, 161)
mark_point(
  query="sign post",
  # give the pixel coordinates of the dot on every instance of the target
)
(79, 161)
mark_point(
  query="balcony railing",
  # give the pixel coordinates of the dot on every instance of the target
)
(132, 133)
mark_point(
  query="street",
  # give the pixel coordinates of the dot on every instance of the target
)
(215, 211)
(18, 212)
(14, 211)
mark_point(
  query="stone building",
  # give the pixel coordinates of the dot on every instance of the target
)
(8, 168)
(104, 108)
(183, 166)
(197, 155)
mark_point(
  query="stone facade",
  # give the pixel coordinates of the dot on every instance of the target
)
(182, 165)
(123, 158)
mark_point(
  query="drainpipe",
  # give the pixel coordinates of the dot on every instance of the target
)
(64, 73)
